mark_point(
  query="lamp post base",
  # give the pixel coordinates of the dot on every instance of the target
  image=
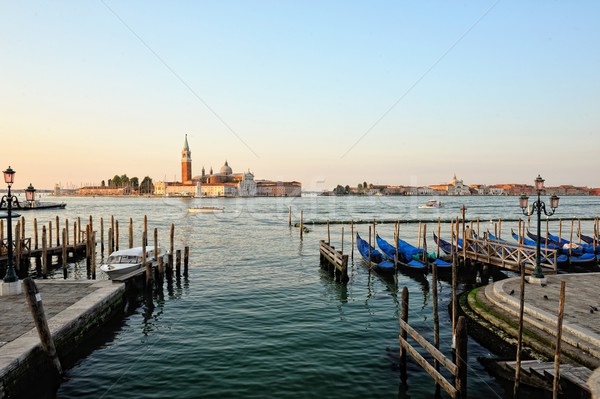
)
(13, 288)
(537, 280)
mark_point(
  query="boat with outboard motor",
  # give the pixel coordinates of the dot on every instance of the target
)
(125, 261)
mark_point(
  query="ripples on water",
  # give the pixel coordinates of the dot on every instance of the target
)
(258, 317)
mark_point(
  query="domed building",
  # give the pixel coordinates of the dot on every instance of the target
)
(226, 169)
(225, 183)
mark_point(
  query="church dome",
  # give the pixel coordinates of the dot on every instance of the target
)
(226, 169)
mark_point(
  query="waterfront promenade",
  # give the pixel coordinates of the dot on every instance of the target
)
(498, 305)
(74, 309)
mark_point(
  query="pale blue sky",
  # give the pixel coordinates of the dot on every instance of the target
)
(323, 92)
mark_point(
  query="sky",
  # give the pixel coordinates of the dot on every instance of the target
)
(323, 92)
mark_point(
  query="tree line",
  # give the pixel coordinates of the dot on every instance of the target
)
(341, 190)
(145, 187)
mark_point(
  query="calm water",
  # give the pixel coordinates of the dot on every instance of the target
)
(258, 318)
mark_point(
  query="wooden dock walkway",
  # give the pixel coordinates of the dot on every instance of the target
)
(334, 260)
(508, 255)
(571, 377)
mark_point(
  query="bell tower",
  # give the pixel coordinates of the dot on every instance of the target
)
(186, 163)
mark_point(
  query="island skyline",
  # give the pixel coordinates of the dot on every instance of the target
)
(324, 94)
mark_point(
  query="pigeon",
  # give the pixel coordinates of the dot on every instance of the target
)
(511, 292)
(545, 296)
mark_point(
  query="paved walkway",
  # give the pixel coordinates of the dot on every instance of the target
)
(581, 322)
(57, 295)
(582, 304)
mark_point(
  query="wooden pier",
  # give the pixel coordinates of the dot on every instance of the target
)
(334, 260)
(573, 379)
(507, 255)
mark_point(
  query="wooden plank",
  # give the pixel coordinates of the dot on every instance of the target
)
(437, 355)
(578, 377)
(446, 386)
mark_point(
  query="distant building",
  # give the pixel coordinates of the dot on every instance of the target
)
(224, 183)
(186, 187)
(266, 188)
(454, 187)
(104, 190)
(594, 191)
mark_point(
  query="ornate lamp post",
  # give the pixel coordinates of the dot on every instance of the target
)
(30, 195)
(9, 175)
(538, 206)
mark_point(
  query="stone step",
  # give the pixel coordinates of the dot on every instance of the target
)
(576, 336)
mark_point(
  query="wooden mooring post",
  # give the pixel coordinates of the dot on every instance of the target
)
(35, 233)
(458, 369)
(186, 260)
(57, 232)
(352, 239)
(93, 255)
(170, 254)
(561, 314)
(130, 232)
(64, 254)
(102, 237)
(178, 263)
(301, 226)
(111, 235)
(116, 232)
(34, 299)
(520, 333)
(44, 253)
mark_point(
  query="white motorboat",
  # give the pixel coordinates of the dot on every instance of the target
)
(125, 261)
(432, 204)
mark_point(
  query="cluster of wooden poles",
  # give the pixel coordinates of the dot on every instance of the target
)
(456, 366)
(83, 242)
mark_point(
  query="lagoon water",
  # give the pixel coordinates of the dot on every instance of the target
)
(258, 318)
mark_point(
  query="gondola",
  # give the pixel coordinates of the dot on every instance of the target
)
(404, 263)
(589, 239)
(580, 258)
(411, 252)
(447, 247)
(587, 248)
(375, 259)
(551, 244)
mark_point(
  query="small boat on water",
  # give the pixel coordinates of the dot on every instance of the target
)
(589, 239)
(374, 258)
(403, 263)
(37, 206)
(585, 247)
(446, 246)
(582, 259)
(125, 261)
(432, 204)
(205, 209)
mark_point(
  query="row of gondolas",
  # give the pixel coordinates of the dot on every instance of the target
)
(409, 258)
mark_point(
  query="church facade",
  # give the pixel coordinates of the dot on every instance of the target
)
(224, 183)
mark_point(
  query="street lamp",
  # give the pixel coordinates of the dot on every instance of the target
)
(539, 207)
(9, 175)
(30, 195)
